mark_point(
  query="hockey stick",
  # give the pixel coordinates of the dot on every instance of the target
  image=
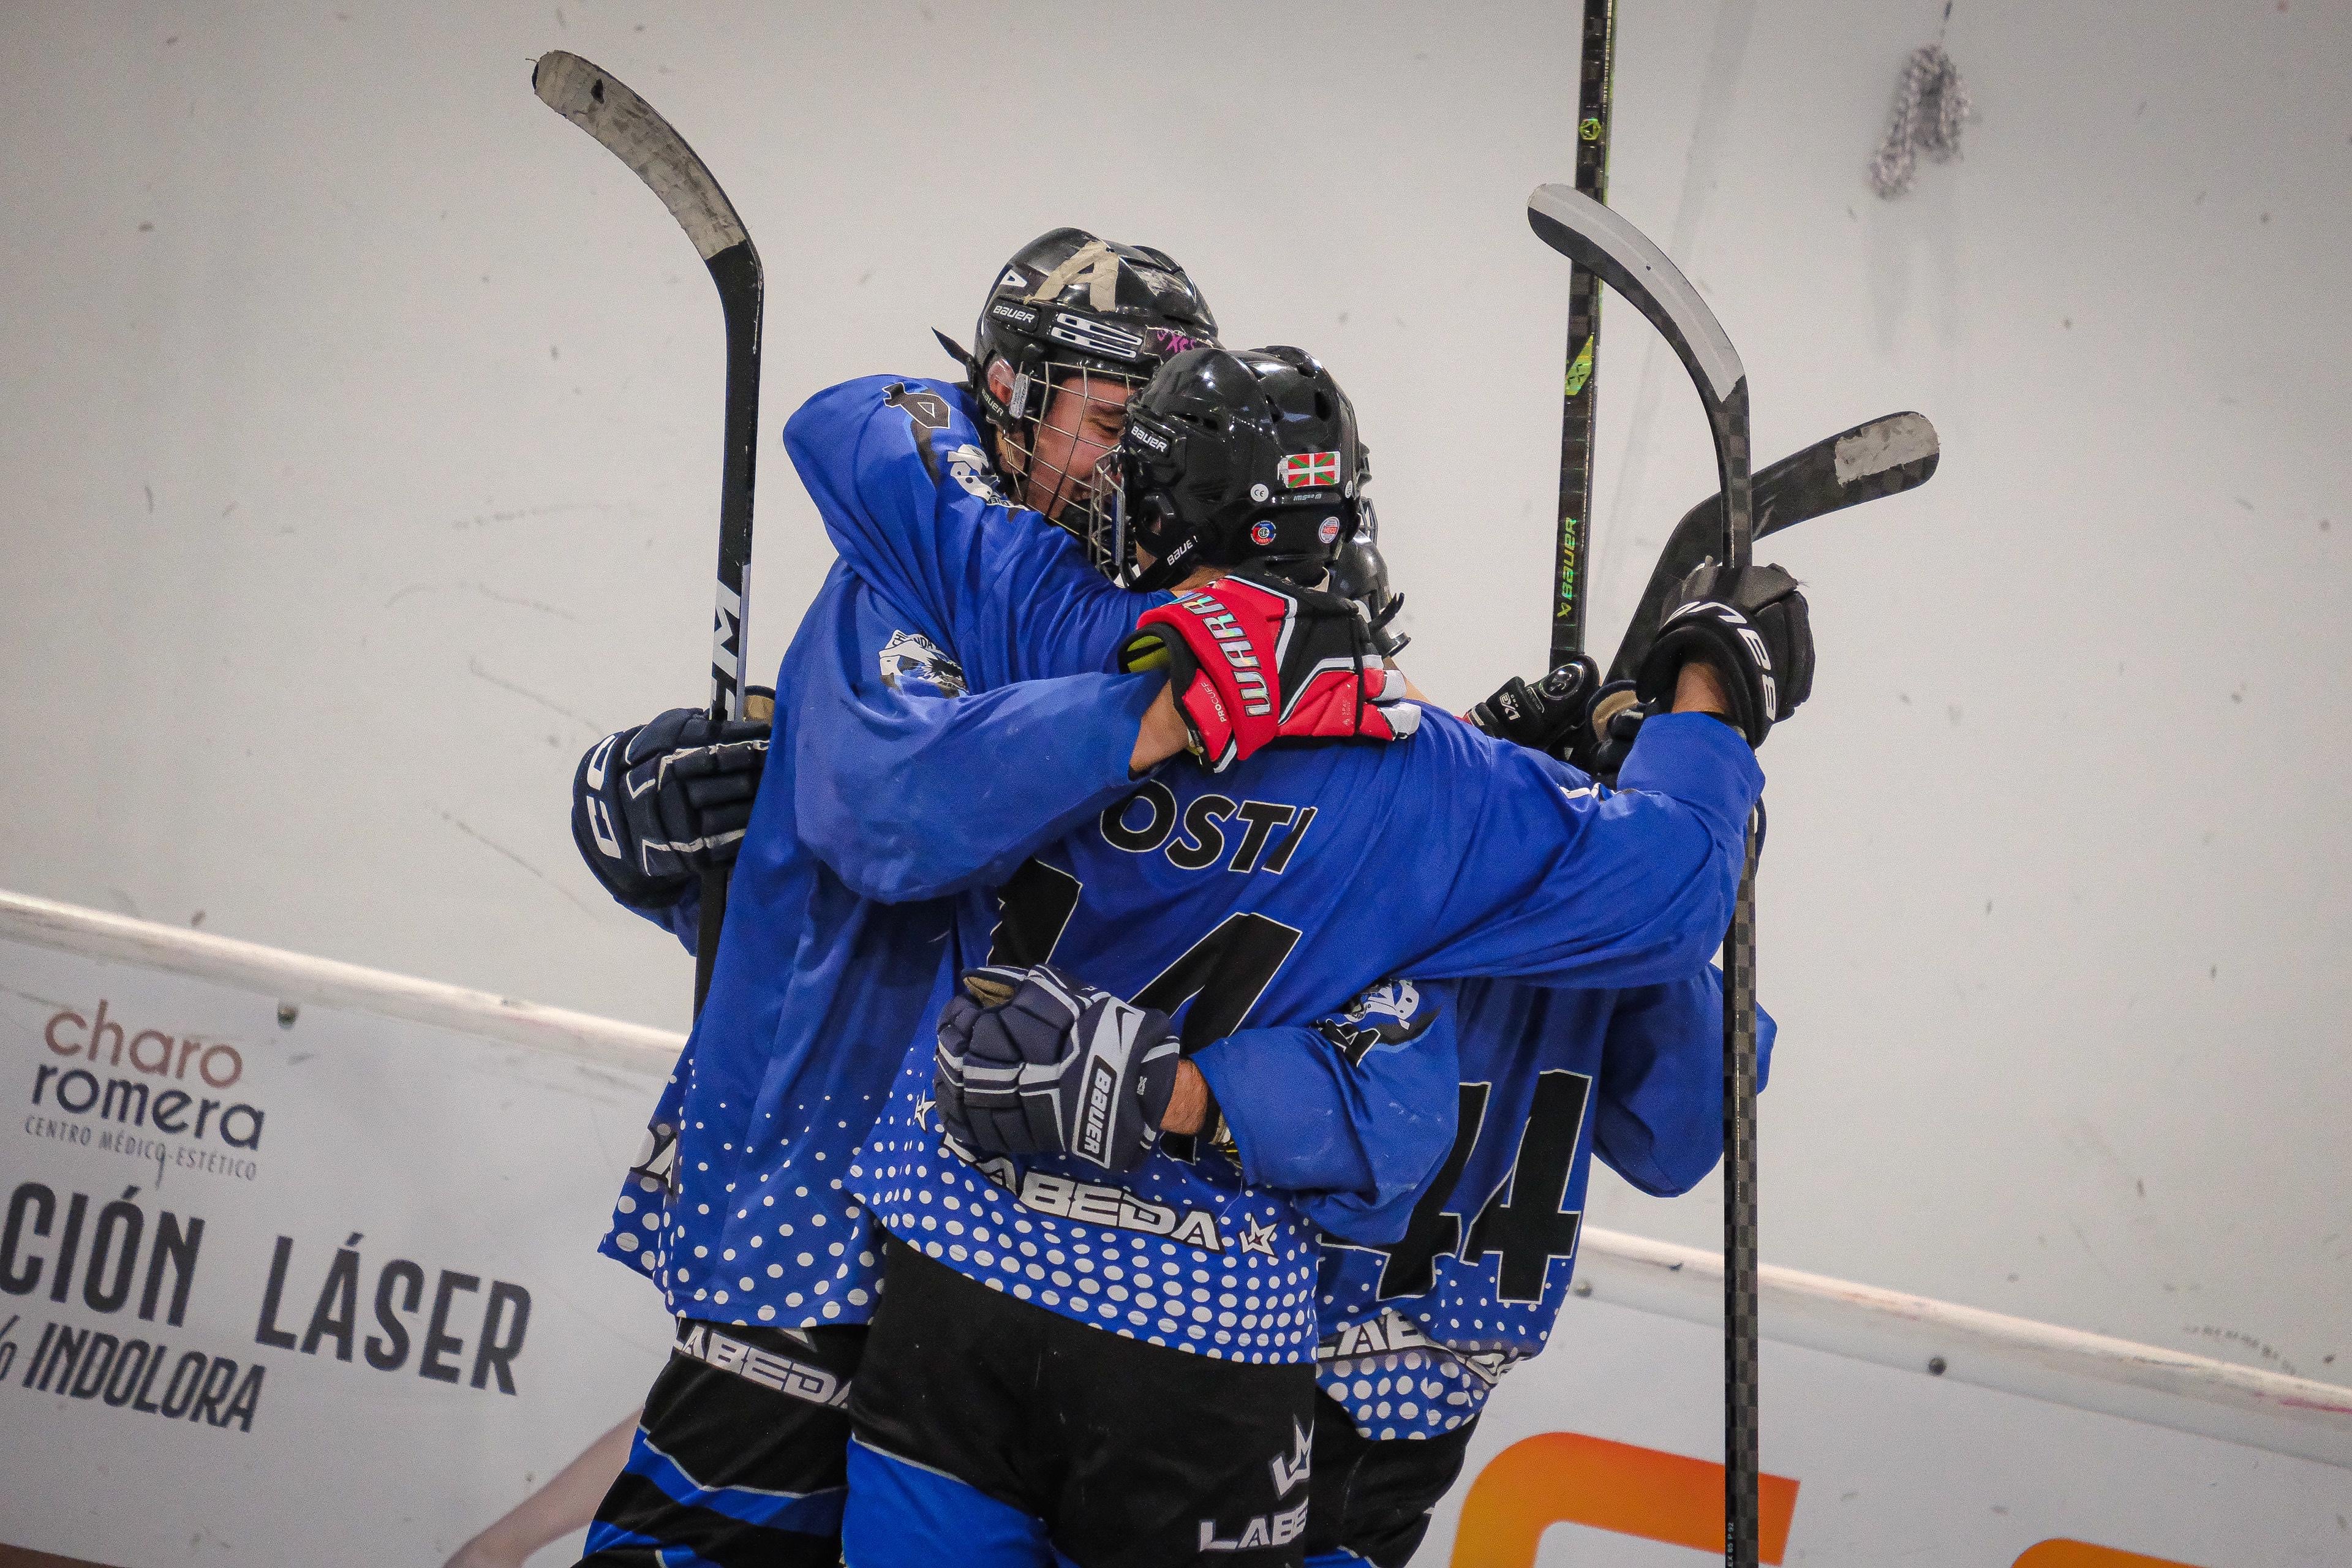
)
(1891, 453)
(595, 100)
(1595, 57)
(1586, 232)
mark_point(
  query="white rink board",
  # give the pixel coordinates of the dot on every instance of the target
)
(479, 1137)
(1894, 1465)
(463, 1154)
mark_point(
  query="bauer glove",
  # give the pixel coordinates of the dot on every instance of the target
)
(1031, 1062)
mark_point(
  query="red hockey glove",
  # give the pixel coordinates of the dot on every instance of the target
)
(1254, 659)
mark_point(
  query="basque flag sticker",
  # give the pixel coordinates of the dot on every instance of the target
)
(1305, 470)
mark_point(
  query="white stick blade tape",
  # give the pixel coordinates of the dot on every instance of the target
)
(1885, 444)
(594, 100)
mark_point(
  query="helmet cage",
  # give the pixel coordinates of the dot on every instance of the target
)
(1074, 314)
(1055, 463)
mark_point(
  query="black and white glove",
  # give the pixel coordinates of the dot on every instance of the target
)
(1031, 1062)
(655, 807)
(1544, 715)
(1752, 627)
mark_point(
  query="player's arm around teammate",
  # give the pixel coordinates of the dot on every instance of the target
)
(811, 978)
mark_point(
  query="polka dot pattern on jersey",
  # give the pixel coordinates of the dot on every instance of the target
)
(759, 1232)
(1173, 1252)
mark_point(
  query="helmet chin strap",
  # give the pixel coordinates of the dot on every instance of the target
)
(1182, 554)
(1119, 529)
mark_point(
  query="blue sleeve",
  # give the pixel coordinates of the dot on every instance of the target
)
(682, 920)
(1660, 1119)
(1352, 1144)
(909, 501)
(1586, 886)
(909, 789)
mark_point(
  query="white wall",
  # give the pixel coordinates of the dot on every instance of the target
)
(358, 458)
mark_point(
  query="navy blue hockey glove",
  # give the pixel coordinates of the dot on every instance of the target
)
(1543, 716)
(655, 807)
(1752, 625)
(1031, 1062)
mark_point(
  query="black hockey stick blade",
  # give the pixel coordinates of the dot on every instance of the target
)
(1590, 234)
(1885, 456)
(626, 126)
(1593, 236)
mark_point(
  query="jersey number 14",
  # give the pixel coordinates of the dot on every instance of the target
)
(1223, 974)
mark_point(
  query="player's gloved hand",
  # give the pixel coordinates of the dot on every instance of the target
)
(1752, 627)
(1031, 1062)
(1253, 659)
(1612, 721)
(1544, 715)
(655, 805)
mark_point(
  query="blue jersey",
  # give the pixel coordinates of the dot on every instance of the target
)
(897, 775)
(1299, 875)
(1264, 891)
(1416, 1334)
(836, 927)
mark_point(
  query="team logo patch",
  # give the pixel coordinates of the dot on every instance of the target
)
(970, 467)
(1383, 1018)
(1262, 531)
(1328, 531)
(912, 662)
(1304, 470)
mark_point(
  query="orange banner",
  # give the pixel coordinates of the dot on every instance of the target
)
(1567, 1477)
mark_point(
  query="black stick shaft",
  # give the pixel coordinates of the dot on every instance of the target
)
(1588, 233)
(1595, 54)
(1742, 1450)
(736, 271)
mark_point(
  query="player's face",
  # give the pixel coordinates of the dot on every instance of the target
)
(1080, 425)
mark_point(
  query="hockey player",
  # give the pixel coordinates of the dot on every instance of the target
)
(1416, 1332)
(737, 1208)
(996, 1429)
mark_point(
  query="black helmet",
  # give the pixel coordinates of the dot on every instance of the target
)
(1068, 299)
(1359, 572)
(1234, 457)
(1071, 305)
